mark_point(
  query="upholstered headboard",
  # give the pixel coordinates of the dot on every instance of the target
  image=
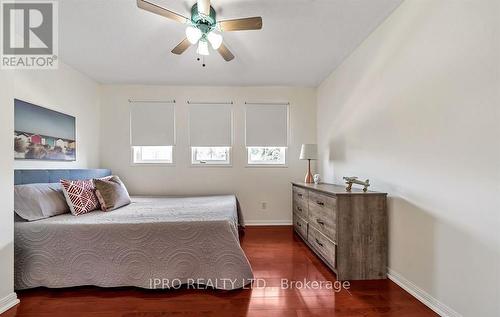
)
(53, 176)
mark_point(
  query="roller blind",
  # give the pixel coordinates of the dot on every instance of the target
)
(210, 125)
(152, 124)
(266, 125)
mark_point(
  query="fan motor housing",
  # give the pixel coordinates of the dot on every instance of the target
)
(203, 22)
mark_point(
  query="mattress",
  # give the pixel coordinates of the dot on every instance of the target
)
(155, 242)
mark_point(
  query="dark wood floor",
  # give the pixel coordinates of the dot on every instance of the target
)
(274, 253)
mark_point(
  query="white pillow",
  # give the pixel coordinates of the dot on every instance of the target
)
(39, 201)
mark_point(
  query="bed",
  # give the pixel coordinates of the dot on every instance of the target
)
(155, 242)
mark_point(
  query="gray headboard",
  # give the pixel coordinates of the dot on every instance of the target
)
(53, 176)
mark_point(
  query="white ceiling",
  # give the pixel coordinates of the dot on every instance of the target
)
(302, 41)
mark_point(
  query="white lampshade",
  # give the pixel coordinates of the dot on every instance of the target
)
(309, 152)
(215, 39)
(193, 34)
(203, 48)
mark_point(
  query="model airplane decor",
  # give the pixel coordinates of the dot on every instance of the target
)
(354, 180)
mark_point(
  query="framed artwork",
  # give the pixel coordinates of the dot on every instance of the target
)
(43, 134)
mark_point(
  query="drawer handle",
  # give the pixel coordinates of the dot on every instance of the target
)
(299, 209)
(319, 243)
(320, 203)
(320, 222)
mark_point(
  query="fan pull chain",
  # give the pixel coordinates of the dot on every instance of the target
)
(202, 61)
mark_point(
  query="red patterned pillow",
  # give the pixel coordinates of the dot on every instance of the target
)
(80, 195)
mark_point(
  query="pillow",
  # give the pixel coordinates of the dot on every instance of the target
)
(80, 195)
(39, 201)
(111, 193)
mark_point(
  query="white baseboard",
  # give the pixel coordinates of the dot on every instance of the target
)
(429, 301)
(8, 302)
(267, 223)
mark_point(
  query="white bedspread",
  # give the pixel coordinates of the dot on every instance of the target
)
(175, 240)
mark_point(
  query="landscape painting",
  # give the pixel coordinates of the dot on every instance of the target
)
(43, 134)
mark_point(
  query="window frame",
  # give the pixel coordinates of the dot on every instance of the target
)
(210, 164)
(267, 165)
(151, 163)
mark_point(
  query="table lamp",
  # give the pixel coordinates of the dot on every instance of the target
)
(309, 152)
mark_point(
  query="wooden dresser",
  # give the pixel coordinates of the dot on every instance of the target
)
(347, 230)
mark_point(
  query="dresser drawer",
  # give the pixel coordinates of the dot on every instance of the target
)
(299, 194)
(322, 245)
(323, 214)
(300, 208)
(300, 225)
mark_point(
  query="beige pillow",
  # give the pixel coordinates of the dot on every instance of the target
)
(111, 193)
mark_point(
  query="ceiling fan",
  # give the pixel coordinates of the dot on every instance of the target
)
(203, 27)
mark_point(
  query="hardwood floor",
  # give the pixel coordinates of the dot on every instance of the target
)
(274, 253)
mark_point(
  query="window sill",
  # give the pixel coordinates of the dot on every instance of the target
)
(266, 165)
(211, 165)
(152, 164)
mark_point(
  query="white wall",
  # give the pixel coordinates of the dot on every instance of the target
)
(7, 297)
(68, 91)
(416, 109)
(251, 185)
(64, 90)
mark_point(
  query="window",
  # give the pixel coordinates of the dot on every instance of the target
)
(266, 134)
(153, 154)
(266, 155)
(210, 134)
(152, 132)
(207, 155)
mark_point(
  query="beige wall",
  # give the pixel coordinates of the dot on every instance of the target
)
(70, 92)
(251, 185)
(416, 109)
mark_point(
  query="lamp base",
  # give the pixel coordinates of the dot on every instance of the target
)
(309, 178)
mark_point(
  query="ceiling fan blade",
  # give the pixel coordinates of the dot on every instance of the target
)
(181, 47)
(254, 23)
(204, 7)
(151, 7)
(225, 52)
